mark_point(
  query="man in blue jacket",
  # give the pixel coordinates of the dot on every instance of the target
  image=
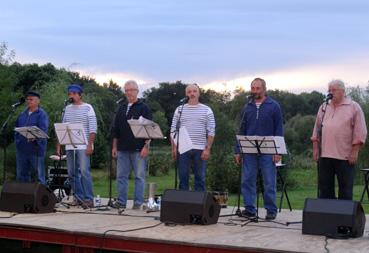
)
(30, 154)
(261, 116)
(131, 153)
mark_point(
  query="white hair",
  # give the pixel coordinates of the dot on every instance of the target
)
(338, 83)
(131, 82)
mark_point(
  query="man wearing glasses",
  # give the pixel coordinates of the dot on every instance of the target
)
(131, 153)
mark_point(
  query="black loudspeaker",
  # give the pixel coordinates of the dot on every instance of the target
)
(333, 218)
(26, 198)
(189, 207)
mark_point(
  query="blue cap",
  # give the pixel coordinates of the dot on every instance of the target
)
(32, 94)
(75, 88)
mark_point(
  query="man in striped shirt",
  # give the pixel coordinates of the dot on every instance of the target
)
(198, 120)
(78, 156)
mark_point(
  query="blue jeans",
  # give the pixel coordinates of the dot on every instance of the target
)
(199, 169)
(78, 164)
(27, 168)
(126, 161)
(249, 178)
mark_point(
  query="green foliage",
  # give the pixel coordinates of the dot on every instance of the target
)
(160, 163)
(298, 131)
(222, 172)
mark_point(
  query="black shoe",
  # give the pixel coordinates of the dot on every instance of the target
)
(270, 216)
(118, 205)
(247, 214)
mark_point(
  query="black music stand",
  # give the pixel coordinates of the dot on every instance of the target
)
(32, 133)
(71, 134)
(146, 129)
(261, 145)
(284, 193)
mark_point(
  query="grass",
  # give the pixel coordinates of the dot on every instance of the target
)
(297, 195)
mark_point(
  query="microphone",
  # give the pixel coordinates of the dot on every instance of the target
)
(251, 96)
(20, 102)
(118, 101)
(184, 100)
(68, 101)
(328, 97)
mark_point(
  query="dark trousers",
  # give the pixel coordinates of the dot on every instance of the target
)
(328, 168)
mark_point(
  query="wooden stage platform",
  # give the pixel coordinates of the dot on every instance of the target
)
(78, 230)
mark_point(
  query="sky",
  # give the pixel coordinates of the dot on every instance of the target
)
(295, 45)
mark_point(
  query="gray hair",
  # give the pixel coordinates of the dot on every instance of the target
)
(131, 82)
(262, 81)
(338, 83)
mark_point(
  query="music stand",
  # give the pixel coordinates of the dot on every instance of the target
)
(146, 129)
(71, 134)
(261, 145)
(32, 133)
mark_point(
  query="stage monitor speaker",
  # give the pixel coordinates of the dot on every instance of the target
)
(333, 218)
(189, 207)
(26, 198)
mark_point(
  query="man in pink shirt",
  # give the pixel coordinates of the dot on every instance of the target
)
(339, 133)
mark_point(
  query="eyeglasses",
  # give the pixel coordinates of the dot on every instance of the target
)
(130, 90)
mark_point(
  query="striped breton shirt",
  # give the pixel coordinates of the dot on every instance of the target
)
(199, 122)
(84, 114)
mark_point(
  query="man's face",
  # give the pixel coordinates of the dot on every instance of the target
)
(193, 93)
(337, 92)
(32, 102)
(131, 92)
(257, 89)
(75, 95)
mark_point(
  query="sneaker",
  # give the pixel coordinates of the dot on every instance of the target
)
(88, 204)
(270, 216)
(118, 205)
(75, 202)
(247, 214)
(136, 207)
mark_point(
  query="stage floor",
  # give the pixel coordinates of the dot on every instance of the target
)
(109, 230)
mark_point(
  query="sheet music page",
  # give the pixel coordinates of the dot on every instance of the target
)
(77, 135)
(31, 132)
(185, 143)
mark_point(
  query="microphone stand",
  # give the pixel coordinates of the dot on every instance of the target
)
(3, 139)
(110, 202)
(320, 135)
(176, 134)
(238, 211)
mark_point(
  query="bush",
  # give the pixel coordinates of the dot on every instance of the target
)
(159, 164)
(222, 172)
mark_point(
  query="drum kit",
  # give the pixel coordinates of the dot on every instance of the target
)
(58, 180)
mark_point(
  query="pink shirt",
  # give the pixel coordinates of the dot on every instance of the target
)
(343, 126)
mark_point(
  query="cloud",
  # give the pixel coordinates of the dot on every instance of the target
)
(304, 78)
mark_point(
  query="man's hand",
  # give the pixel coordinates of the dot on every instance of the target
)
(205, 154)
(89, 149)
(315, 151)
(276, 158)
(144, 152)
(114, 153)
(352, 159)
(237, 158)
(174, 153)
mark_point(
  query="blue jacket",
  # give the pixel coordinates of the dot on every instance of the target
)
(38, 118)
(265, 121)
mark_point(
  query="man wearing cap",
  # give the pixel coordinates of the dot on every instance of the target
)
(30, 154)
(78, 156)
